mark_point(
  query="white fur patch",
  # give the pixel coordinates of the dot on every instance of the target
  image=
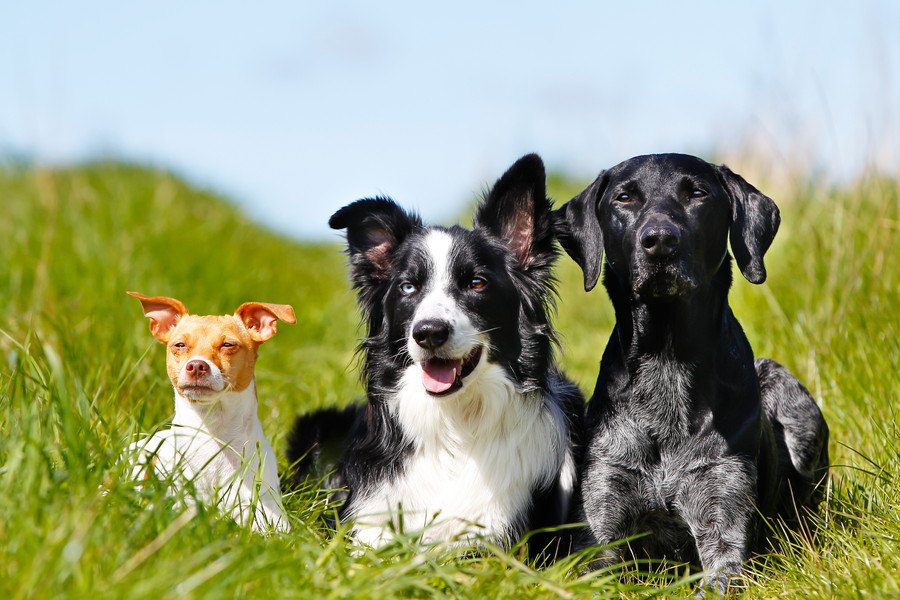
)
(438, 303)
(567, 478)
(478, 455)
(220, 447)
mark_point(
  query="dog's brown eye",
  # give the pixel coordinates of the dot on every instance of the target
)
(623, 197)
(228, 345)
(179, 345)
(698, 193)
(477, 284)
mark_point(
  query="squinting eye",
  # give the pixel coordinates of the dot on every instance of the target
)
(477, 283)
(698, 193)
(407, 288)
(623, 197)
(180, 345)
(228, 345)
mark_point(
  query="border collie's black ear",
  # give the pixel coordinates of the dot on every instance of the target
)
(375, 228)
(754, 223)
(578, 230)
(517, 212)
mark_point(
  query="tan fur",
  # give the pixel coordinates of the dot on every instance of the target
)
(252, 324)
(216, 440)
(204, 336)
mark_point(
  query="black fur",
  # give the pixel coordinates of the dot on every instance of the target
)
(317, 440)
(511, 247)
(688, 437)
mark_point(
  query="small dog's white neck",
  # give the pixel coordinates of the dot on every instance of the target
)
(230, 417)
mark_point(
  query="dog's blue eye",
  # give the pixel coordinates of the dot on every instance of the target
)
(477, 283)
(407, 288)
(623, 197)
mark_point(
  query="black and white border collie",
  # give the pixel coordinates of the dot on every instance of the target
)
(470, 429)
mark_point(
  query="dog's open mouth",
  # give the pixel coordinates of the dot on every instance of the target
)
(442, 376)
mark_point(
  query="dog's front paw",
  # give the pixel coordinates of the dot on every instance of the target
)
(721, 583)
(604, 559)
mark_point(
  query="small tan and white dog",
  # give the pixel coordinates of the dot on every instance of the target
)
(215, 441)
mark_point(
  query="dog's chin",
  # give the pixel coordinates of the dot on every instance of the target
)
(443, 377)
(664, 282)
(199, 394)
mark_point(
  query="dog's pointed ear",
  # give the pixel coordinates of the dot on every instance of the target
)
(164, 314)
(754, 223)
(517, 211)
(375, 228)
(578, 230)
(261, 318)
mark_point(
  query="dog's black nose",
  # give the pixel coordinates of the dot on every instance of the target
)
(659, 241)
(431, 333)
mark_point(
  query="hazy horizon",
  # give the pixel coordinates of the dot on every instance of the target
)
(296, 110)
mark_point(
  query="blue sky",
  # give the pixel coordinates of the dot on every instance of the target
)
(295, 109)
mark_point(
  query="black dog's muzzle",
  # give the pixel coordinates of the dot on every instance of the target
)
(659, 240)
(660, 270)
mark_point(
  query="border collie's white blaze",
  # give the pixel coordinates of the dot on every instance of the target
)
(441, 369)
(469, 427)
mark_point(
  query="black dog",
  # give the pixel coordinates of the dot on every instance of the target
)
(469, 427)
(688, 437)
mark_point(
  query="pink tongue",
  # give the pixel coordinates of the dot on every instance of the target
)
(438, 376)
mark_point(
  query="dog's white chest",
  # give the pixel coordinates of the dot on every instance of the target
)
(473, 469)
(447, 497)
(234, 468)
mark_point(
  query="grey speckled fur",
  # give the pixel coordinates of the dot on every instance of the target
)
(689, 438)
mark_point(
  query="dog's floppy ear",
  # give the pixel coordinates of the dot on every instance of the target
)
(754, 222)
(375, 228)
(517, 211)
(261, 318)
(164, 314)
(578, 230)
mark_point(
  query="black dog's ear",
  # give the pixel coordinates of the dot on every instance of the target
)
(578, 230)
(375, 228)
(517, 212)
(754, 222)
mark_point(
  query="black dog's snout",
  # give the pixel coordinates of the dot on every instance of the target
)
(431, 333)
(659, 241)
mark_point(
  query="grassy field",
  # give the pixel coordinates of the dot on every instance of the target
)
(80, 375)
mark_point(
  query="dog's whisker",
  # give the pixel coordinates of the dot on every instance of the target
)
(483, 331)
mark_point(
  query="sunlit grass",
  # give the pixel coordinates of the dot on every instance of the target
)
(80, 375)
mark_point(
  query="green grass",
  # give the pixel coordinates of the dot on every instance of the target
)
(80, 375)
